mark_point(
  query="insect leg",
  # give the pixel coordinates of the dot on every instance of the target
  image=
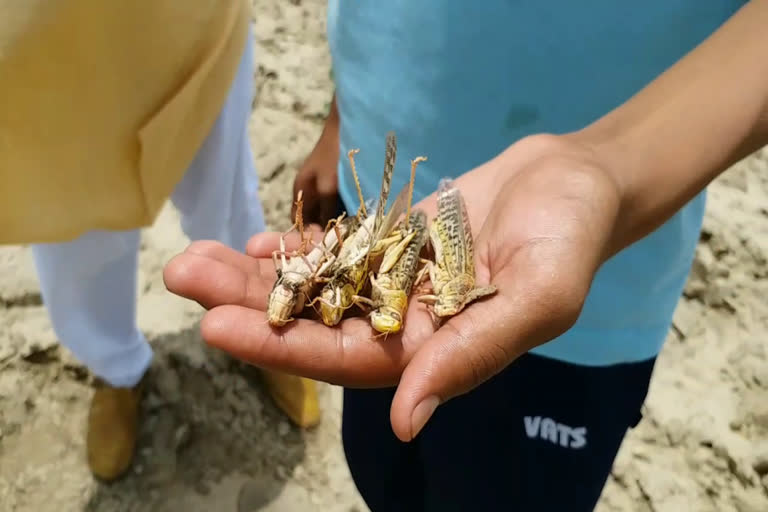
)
(415, 162)
(423, 273)
(361, 301)
(427, 299)
(282, 250)
(480, 292)
(437, 285)
(278, 268)
(393, 253)
(308, 263)
(300, 221)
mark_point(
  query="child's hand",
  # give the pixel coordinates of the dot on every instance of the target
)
(539, 238)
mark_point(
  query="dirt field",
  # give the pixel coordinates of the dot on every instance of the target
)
(213, 440)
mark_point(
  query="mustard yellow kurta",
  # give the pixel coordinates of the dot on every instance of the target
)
(103, 105)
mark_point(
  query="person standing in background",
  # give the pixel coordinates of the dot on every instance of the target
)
(107, 109)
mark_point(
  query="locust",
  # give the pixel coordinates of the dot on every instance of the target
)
(399, 270)
(297, 276)
(397, 276)
(453, 271)
(349, 271)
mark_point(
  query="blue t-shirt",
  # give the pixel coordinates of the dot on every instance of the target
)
(460, 81)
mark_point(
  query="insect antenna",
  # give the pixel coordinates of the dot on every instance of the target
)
(414, 163)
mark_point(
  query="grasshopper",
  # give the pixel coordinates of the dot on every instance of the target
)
(453, 272)
(297, 277)
(397, 273)
(350, 269)
(397, 276)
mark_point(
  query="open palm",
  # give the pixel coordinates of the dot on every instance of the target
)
(539, 240)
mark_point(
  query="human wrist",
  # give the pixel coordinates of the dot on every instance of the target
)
(618, 153)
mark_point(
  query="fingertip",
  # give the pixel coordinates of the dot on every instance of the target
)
(441, 369)
(263, 244)
(414, 403)
(184, 268)
(400, 418)
(177, 273)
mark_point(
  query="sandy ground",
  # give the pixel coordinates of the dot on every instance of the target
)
(213, 440)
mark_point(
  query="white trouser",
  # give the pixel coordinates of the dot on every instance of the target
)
(89, 284)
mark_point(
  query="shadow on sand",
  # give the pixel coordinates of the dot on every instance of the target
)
(208, 427)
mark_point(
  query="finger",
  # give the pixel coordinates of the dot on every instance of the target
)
(177, 273)
(211, 282)
(217, 251)
(533, 304)
(344, 355)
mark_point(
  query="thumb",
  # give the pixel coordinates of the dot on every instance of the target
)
(529, 308)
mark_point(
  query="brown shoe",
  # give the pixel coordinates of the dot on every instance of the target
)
(295, 396)
(113, 422)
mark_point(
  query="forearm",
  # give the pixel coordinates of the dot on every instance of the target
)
(329, 137)
(332, 121)
(704, 114)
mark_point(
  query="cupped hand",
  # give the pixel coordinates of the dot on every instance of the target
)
(540, 239)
